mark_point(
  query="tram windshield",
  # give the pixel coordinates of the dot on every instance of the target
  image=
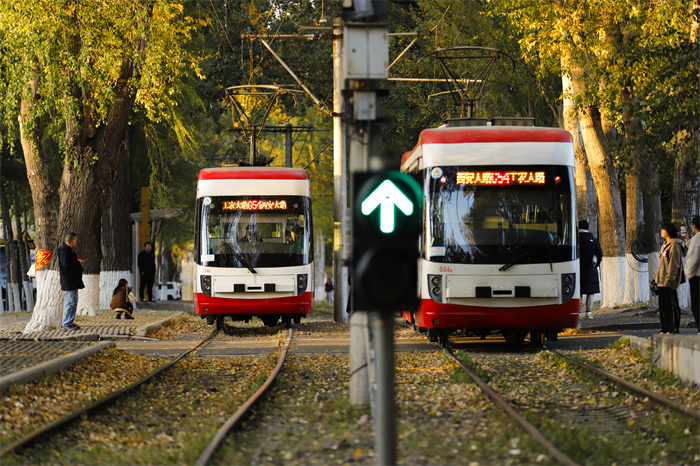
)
(492, 215)
(254, 231)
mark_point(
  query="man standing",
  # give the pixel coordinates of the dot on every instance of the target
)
(590, 256)
(692, 269)
(147, 269)
(70, 270)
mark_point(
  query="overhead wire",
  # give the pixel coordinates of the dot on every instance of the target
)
(223, 29)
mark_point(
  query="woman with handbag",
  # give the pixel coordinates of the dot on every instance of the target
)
(667, 278)
(121, 300)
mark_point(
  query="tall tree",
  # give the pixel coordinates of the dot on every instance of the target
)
(624, 49)
(87, 62)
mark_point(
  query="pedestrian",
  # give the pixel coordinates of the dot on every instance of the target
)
(329, 289)
(147, 270)
(121, 301)
(70, 269)
(692, 269)
(590, 256)
(667, 278)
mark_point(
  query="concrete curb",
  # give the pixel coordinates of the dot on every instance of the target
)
(639, 344)
(54, 365)
(144, 330)
(678, 354)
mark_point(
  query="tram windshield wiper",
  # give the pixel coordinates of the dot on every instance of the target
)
(516, 260)
(245, 262)
(229, 250)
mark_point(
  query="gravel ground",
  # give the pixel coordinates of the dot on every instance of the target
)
(442, 418)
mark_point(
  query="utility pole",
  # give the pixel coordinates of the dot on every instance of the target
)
(340, 200)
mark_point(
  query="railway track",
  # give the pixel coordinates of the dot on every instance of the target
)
(96, 418)
(535, 416)
(244, 410)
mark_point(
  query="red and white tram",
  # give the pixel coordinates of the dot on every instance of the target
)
(498, 245)
(253, 244)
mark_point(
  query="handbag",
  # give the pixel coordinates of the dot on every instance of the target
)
(131, 297)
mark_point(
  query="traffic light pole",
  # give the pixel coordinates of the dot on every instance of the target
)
(385, 405)
(365, 60)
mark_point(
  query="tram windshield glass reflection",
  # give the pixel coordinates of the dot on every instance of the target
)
(260, 231)
(484, 215)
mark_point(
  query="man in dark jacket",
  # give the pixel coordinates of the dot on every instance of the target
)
(590, 256)
(70, 270)
(147, 270)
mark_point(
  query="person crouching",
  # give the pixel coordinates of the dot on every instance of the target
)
(120, 300)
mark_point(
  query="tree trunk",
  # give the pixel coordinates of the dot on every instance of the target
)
(571, 125)
(47, 312)
(116, 231)
(88, 176)
(636, 286)
(683, 182)
(611, 227)
(13, 298)
(26, 285)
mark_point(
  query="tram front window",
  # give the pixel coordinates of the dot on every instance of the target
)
(254, 232)
(488, 215)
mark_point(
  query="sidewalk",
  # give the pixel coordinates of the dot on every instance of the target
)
(633, 317)
(27, 357)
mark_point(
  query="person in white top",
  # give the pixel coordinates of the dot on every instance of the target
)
(692, 268)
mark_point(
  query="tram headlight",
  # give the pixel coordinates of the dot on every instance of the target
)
(205, 283)
(302, 281)
(568, 286)
(435, 287)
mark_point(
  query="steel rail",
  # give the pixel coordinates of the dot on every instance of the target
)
(633, 388)
(515, 415)
(244, 409)
(97, 404)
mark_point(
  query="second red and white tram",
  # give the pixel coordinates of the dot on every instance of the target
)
(498, 245)
(253, 244)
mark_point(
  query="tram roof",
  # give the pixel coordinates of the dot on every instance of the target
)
(485, 134)
(253, 173)
(446, 137)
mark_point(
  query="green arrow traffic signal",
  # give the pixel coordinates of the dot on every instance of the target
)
(387, 197)
(387, 207)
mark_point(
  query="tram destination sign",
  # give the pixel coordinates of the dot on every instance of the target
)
(502, 178)
(254, 204)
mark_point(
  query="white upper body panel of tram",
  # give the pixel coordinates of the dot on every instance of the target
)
(490, 145)
(253, 181)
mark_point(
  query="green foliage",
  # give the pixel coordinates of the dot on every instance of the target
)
(640, 63)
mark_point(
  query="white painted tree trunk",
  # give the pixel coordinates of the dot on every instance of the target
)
(108, 282)
(15, 301)
(637, 281)
(89, 297)
(48, 311)
(612, 281)
(320, 265)
(29, 293)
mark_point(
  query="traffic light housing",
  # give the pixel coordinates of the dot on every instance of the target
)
(387, 208)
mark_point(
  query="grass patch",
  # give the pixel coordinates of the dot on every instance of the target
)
(620, 343)
(459, 375)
